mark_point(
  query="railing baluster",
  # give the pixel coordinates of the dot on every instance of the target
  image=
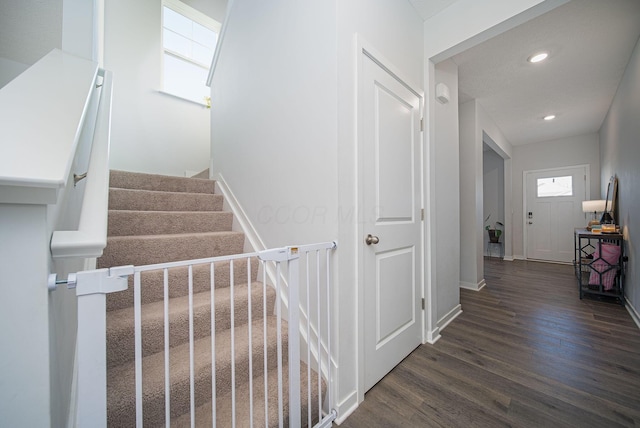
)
(167, 379)
(213, 344)
(192, 388)
(137, 305)
(264, 339)
(233, 346)
(308, 308)
(279, 343)
(250, 343)
(328, 287)
(319, 334)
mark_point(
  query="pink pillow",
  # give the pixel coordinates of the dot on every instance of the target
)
(605, 264)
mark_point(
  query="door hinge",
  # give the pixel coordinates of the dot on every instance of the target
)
(422, 214)
(422, 124)
(423, 303)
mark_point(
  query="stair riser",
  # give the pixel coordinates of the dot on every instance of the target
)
(134, 180)
(143, 200)
(145, 250)
(121, 341)
(153, 282)
(128, 223)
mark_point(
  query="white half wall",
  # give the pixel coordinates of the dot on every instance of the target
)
(578, 150)
(151, 131)
(620, 156)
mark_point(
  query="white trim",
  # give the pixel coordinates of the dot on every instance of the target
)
(474, 287)
(244, 224)
(221, 34)
(449, 316)
(433, 336)
(587, 196)
(508, 258)
(632, 311)
(346, 407)
(193, 14)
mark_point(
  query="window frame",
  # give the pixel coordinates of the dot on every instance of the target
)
(197, 17)
(570, 177)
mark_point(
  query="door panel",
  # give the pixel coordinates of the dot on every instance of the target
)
(556, 212)
(390, 130)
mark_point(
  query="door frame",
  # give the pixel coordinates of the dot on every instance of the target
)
(587, 195)
(363, 48)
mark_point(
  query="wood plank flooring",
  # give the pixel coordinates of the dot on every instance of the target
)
(525, 352)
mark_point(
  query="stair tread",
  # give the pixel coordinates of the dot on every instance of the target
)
(120, 379)
(140, 180)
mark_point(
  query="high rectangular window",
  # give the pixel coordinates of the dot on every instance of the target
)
(555, 186)
(188, 42)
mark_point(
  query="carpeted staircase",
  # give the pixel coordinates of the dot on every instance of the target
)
(156, 219)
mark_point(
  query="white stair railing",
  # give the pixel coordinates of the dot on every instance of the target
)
(303, 299)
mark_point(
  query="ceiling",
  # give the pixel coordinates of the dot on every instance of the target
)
(589, 44)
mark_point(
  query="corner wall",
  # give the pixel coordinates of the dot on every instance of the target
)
(620, 156)
(447, 209)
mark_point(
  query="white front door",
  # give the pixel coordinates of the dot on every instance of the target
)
(553, 211)
(391, 177)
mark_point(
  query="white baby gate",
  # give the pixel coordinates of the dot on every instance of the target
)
(306, 294)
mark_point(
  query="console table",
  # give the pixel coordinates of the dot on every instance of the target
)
(599, 264)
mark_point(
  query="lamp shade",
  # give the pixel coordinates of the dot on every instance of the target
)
(597, 205)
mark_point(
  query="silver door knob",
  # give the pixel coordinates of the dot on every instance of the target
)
(370, 239)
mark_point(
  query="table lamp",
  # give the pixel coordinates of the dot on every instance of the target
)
(594, 207)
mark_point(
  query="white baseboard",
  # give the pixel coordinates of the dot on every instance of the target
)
(633, 312)
(450, 316)
(433, 336)
(519, 257)
(346, 407)
(471, 286)
(508, 259)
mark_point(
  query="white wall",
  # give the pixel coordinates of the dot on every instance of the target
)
(151, 131)
(29, 29)
(620, 156)
(447, 210)
(578, 150)
(9, 70)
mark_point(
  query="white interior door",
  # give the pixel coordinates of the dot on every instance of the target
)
(390, 126)
(553, 211)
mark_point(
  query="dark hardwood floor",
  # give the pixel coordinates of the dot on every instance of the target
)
(525, 352)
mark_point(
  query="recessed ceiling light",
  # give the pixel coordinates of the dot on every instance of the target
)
(538, 57)
(550, 117)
